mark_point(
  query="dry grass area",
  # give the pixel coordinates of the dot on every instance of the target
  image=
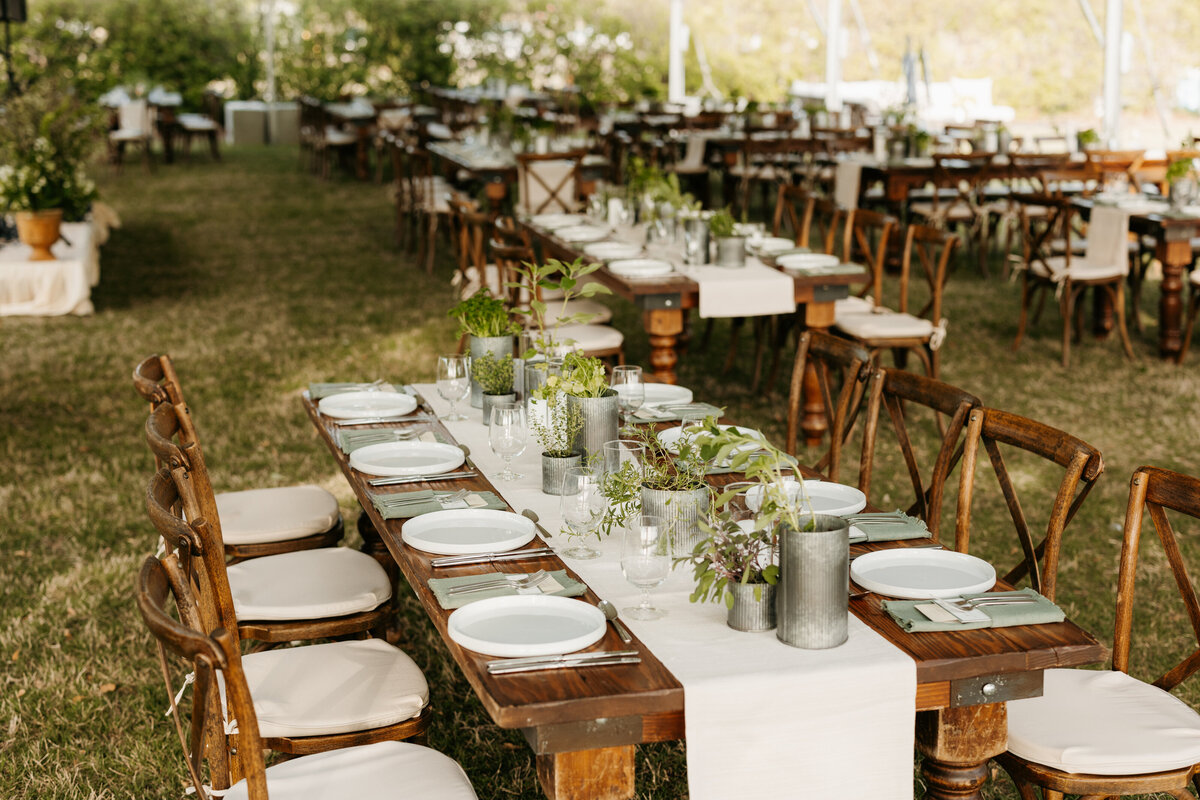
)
(258, 279)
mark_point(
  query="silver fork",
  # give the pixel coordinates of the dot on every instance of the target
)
(973, 603)
(528, 582)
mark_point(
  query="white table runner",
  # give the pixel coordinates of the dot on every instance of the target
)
(764, 720)
(51, 288)
(754, 290)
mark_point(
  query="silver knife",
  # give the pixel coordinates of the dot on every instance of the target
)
(606, 662)
(449, 476)
(487, 558)
(518, 662)
(343, 423)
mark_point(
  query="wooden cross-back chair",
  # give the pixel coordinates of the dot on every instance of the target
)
(896, 391)
(285, 597)
(1108, 164)
(831, 227)
(549, 182)
(261, 521)
(793, 213)
(967, 176)
(1082, 465)
(430, 203)
(766, 162)
(470, 230)
(231, 765)
(867, 236)
(841, 371)
(1104, 734)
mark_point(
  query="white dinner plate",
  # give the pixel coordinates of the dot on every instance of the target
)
(669, 438)
(581, 233)
(552, 221)
(826, 497)
(920, 574)
(391, 459)
(806, 261)
(775, 244)
(640, 267)
(468, 531)
(608, 251)
(348, 405)
(526, 625)
(660, 393)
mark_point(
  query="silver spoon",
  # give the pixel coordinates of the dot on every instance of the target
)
(532, 516)
(610, 613)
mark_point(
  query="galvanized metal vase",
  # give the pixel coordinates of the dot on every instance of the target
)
(812, 600)
(499, 347)
(553, 469)
(731, 251)
(489, 400)
(683, 510)
(600, 422)
(748, 612)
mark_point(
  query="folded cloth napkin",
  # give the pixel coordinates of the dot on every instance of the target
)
(350, 440)
(668, 412)
(556, 584)
(889, 526)
(424, 501)
(1040, 612)
(319, 391)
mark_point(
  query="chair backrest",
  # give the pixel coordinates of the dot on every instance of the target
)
(793, 207)
(1040, 230)
(154, 378)
(847, 181)
(867, 235)
(933, 249)
(548, 182)
(838, 366)
(1082, 465)
(827, 221)
(894, 390)
(693, 156)
(467, 230)
(965, 173)
(1108, 238)
(508, 259)
(134, 116)
(1158, 491)
(160, 586)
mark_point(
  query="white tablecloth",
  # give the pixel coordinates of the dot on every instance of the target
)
(764, 720)
(51, 288)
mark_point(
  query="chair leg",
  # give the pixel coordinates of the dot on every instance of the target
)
(735, 328)
(1119, 302)
(1194, 306)
(1068, 309)
(1025, 296)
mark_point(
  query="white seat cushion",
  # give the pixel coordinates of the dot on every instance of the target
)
(335, 687)
(590, 338)
(471, 283)
(1103, 723)
(1080, 270)
(380, 771)
(338, 137)
(256, 516)
(945, 210)
(887, 325)
(853, 305)
(598, 312)
(308, 584)
(196, 122)
(128, 135)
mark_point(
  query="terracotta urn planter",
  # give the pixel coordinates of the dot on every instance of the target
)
(39, 230)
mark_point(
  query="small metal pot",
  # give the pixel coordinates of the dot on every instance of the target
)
(731, 251)
(499, 347)
(749, 613)
(553, 470)
(600, 422)
(812, 601)
(489, 400)
(683, 509)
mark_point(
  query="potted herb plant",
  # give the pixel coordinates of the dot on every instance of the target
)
(731, 248)
(585, 384)
(1087, 139)
(555, 423)
(740, 566)
(495, 377)
(490, 327)
(1181, 183)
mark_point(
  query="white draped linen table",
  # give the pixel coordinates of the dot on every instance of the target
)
(51, 288)
(763, 720)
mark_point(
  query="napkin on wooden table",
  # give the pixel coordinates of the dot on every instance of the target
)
(319, 391)
(352, 439)
(557, 584)
(668, 412)
(424, 502)
(887, 527)
(907, 615)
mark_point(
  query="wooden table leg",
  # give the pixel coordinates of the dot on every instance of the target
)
(1175, 252)
(664, 325)
(957, 744)
(817, 317)
(603, 774)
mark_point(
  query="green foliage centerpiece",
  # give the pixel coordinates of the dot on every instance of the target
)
(495, 377)
(585, 383)
(490, 327)
(731, 248)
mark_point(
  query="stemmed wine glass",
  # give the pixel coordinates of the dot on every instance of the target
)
(583, 506)
(646, 561)
(631, 391)
(454, 382)
(507, 435)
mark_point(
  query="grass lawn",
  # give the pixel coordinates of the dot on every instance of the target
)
(258, 278)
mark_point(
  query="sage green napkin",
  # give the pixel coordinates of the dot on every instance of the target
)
(886, 527)
(669, 412)
(568, 587)
(352, 439)
(774, 254)
(424, 502)
(1038, 613)
(319, 391)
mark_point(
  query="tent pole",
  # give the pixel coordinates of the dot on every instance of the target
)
(675, 77)
(833, 55)
(1112, 72)
(1093, 23)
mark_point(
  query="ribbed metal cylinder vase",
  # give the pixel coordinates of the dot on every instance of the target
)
(750, 613)
(489, 400)
(600, 422)
(553, 469)
(812, 600)
(682, 509)
(499, 347)
(731, 251)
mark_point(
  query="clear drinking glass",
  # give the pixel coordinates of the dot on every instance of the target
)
(507, 435)
(583, 506)
(631, 391)
(646, 561)
(454, 382)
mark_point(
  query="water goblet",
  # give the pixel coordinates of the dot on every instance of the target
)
(631, 392)
(454, 382)
(583, 506)
(507, 435)
(646, 561)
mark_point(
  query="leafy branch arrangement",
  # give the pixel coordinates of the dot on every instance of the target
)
(1179, 168)
(483, 316)
(582, 376)
(562, 421)
(731, 554)
(495, 375)
(556, 275)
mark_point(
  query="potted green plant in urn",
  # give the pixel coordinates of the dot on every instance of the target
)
(490, 328)
(556, 424)
(731, 248)
(495, 377)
